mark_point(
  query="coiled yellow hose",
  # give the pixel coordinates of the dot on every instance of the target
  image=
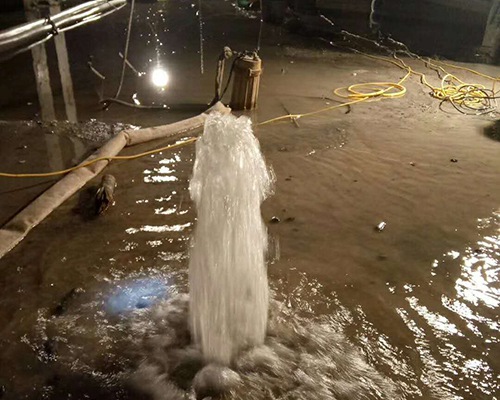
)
(472, 96)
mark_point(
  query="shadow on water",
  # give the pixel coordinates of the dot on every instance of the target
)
(35, 185)
(492, 131)
(86, 207)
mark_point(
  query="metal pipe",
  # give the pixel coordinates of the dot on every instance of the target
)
(58, 21)
(42, 75)
(28, 26)
(21, 38)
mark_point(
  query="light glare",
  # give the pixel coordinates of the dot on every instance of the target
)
(160, 78)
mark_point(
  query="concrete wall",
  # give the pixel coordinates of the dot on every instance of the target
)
(11, 5)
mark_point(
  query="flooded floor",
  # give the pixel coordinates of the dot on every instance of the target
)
(419, 299)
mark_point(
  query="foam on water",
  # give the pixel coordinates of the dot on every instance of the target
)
(300, 359)
(227, 272)
(221, 341)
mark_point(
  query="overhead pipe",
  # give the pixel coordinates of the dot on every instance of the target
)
(23, 37)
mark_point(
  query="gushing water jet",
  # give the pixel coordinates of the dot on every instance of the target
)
(229, 294)
(216, 342)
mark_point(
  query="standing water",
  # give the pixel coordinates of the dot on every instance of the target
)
(229, 297)
(226, 339)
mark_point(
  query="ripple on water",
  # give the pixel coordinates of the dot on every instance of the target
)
(300, 359)
(455, 343)
(159, 228)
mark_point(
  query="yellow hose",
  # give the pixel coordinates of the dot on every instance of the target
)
(131, 157)
(357, 93)
(472, 96)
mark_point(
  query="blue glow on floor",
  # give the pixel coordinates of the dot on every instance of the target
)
(137, 294)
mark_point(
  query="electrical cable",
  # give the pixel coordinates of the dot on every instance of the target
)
(293, 117)
(125, 52)
(228, 82)
(466, 98)
(372, 22)
(107, 101)
(202, 56)
(95, 160)
(460, 94)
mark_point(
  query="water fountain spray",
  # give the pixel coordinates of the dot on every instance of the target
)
(229, 295)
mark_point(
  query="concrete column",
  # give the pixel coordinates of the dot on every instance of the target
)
(41, 69)
(45, 98)
(64, 69)
(491, 39)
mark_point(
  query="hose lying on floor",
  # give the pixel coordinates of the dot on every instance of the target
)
(19, 226)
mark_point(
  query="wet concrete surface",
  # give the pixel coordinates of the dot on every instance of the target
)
(45, 146)
(419, 298)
